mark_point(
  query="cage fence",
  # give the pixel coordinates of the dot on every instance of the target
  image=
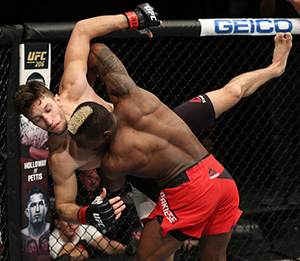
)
(257, 140)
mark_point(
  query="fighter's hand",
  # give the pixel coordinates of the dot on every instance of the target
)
(141, 18)
(116, 202)
(102, 212)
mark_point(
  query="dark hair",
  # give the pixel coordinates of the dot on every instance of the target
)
(25, 95)
(99, 121)
(35, 190)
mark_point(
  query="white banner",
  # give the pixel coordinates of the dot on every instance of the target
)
(35, 65)
(272, 26)
(35, 58)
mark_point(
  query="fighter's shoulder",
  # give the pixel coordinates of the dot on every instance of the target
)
(139, 104)
(60, 160)
(56, 142)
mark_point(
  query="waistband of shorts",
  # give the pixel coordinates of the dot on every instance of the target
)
(182, 177)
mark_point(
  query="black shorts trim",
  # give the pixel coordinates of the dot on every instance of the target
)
(182, 177)
(177, 234)
(225, 175)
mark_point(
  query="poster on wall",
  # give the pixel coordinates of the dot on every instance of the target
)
(35, 65)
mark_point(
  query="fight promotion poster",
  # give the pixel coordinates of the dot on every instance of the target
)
(34, 66)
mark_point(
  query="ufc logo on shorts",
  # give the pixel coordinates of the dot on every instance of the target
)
(98, 219)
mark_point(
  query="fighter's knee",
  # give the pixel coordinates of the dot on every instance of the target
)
(234, 91)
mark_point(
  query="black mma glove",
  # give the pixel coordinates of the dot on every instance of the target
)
(142, 17)
(99, 214)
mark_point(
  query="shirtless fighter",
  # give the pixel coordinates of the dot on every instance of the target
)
(141, 137)
(221, 100)
(52, 113)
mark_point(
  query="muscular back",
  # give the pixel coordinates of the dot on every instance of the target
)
(152, 141)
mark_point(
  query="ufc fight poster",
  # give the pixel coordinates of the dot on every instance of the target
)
(35, 62)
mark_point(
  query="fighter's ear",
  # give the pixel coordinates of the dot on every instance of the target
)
(106, 134)
(58, 99)
(26, 212)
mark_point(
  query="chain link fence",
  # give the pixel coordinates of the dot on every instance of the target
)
(5, 53)
(257, 141)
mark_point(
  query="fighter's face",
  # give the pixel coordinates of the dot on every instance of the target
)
(47, 114)
(37, 208)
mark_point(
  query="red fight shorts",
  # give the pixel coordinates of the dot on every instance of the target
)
(201, 200)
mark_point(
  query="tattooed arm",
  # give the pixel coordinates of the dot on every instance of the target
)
(113, 73)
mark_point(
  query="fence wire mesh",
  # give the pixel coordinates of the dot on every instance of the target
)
(257, 141)
(5, 53)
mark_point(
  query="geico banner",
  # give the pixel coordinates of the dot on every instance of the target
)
(213, 27)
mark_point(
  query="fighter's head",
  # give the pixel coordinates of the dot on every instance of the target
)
(36, 209)
(40, 106)
(91, 126)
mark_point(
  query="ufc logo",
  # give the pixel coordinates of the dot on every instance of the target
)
(151, 12)
(98, 219)
(34, 56)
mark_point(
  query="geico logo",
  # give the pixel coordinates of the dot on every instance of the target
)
(263, 26)
(34, 56)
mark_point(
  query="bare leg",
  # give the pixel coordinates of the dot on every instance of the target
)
(213, 248)
(247, 83)
(153, 246)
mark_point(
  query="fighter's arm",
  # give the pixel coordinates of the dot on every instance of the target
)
(65, 187)
(75, 65)
(74, 82)
(113, 73)
(65, 190)
(110, 247)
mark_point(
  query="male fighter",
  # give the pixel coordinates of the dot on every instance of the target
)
(141, 137)
(71, 98)
(52, 113)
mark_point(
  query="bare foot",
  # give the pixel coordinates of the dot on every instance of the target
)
(281, 52)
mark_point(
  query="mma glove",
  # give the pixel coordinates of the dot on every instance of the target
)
(142, 17)
(99, 214)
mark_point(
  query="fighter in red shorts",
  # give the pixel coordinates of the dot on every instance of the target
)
(201, 200)
(143, 138)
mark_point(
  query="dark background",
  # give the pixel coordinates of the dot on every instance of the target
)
(16, 11)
